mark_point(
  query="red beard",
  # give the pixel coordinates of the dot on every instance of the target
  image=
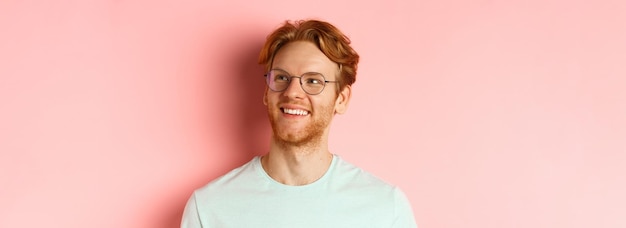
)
(310, 135)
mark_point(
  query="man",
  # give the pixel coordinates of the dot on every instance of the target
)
(299, 182)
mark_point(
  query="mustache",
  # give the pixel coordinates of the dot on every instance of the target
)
(288, 101)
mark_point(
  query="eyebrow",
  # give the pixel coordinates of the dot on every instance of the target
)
(308, 72)
(280, 70)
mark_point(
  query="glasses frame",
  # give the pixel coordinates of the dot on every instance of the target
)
(267, 81)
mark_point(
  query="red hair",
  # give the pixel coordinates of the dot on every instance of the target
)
(332, 42)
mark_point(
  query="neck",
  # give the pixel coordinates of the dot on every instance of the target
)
(297, 164)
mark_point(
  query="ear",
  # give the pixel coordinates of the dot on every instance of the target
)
(341, 104)
(265, 96)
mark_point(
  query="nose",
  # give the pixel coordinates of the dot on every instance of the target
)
(294, 90)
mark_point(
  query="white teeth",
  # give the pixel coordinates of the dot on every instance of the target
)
(295, 112)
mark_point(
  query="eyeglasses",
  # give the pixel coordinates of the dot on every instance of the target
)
(312, 83)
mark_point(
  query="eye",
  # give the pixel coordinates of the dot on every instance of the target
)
(314, 81)
(281, 78)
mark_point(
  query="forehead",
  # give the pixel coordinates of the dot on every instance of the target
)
(302, 56)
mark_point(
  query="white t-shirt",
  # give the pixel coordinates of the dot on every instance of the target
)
(345, 196)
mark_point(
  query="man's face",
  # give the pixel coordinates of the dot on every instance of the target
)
(298, 118)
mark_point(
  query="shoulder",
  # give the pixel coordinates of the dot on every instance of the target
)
(354, 180)
(236, 179)
(385, 201)
(356, 175)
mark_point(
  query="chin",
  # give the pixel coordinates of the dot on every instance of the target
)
(287, 135)
(298, 139)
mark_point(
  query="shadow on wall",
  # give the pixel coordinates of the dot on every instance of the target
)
(251, 130)
(253, 126)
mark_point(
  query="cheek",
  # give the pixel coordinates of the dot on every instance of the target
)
(325, 105)
(270, 98)
(271, 102)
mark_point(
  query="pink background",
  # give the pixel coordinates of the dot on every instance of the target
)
(486, 113)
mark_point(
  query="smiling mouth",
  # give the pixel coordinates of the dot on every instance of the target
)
(298, 112)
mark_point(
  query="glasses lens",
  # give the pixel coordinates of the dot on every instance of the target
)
(278, 80)
(313, 83)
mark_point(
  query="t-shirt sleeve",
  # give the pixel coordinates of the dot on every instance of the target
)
(403, 213)
(191, 218)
